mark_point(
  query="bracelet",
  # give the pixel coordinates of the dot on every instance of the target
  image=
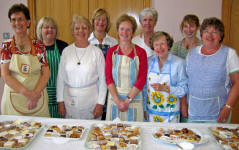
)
(228, 106)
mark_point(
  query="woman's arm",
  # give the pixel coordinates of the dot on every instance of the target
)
(43, 80)
(232, 98)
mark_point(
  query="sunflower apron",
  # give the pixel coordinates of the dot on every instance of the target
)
(125, 72)
(161, 106)
(26, 69)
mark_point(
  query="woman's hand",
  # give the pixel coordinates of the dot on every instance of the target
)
(159, 87)
(33, 98)
(121, 105)
(61, 109)
(98, 111)
(224, 115)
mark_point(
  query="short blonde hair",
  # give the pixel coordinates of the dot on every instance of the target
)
(79, 19)
(99, 12)
(128, 18)
(45, 20)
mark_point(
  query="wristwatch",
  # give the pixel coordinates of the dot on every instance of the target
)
(130, 99)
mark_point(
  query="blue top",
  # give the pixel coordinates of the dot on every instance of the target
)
(178, 85)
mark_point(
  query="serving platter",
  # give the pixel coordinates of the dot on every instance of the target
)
(114, 136)
(178, 135)
(227, 138)
(18, 134)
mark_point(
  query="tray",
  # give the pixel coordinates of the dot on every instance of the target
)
(19, 134)
(227, 138)
(178, 135)
(113, 136)
(64, 133)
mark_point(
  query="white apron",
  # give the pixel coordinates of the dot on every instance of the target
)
(161, 106)
(125, 72)
(26, 69)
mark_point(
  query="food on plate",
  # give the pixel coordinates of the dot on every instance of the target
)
(18, 134)
(113, 136)
(65, 131)
(172, 135)
(228, 138)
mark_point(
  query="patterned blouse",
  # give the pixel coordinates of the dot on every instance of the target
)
(6, 53)
(179, 50)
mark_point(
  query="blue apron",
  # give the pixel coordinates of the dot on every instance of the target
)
(161, 106)
(207, 90)
(125, 73)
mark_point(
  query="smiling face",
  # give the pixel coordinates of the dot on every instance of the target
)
(19, 23)
(81, 32)
(211, 37)
(190, 30)
(148, 23)
(125, 31)
(161, 47)
(48, 32)
(100, 23)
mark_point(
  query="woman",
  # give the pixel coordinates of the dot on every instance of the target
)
(24, 69)
(189, 27)
(47, 32)
(148, 19)
(81, 87)
(100, 22)
(126, 71)
(213, 72)
(166, 81)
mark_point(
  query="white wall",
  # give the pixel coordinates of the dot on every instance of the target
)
(5, 25)
(171, 13)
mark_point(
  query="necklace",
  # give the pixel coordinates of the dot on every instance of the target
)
(79, 59)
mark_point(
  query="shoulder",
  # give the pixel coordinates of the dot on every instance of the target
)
(68, 49)
(61, 43)
(6, 44)
(140, 50)
(38, 43)
(175, 59)
(91, 37)
(136, 39)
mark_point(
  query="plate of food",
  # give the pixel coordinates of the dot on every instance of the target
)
(17, 135)
(178, 135)
(64, 133)
(113, 136)
(226, 137)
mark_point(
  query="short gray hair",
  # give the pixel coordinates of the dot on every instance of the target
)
(45, 20)
(149, 12)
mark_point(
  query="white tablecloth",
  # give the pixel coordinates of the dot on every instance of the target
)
(42, 143)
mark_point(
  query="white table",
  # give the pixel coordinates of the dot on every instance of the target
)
(41, 143)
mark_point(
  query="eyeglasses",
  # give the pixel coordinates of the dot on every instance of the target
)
(48, 27)
(210, 32)
(20, 19)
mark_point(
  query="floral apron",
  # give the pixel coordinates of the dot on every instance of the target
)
(26, 69)
(162, 107)
(125, 72)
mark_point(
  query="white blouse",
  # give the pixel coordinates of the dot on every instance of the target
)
(91, 70)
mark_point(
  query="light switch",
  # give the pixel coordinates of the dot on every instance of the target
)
(6, 35)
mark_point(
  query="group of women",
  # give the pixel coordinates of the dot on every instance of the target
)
(145, 78)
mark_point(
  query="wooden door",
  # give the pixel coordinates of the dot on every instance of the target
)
(118, 7)
(63, 10)
(230, 18)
